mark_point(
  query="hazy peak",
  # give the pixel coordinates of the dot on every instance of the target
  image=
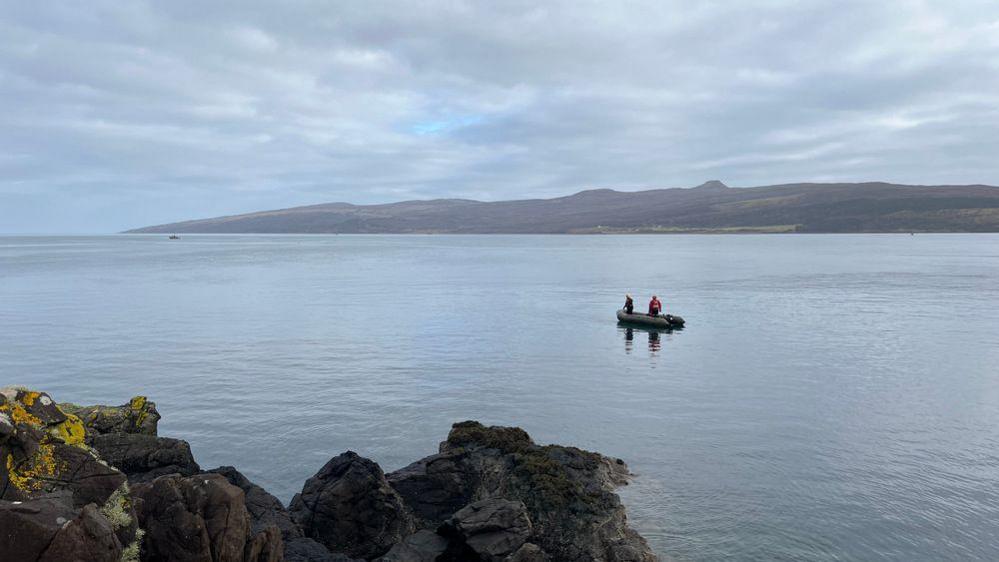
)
(712, 184)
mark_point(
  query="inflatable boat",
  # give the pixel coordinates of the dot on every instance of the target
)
(666, 321)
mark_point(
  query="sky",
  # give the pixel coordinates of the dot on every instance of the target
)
(116, 115)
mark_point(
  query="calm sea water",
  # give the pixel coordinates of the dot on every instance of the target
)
(832, 398)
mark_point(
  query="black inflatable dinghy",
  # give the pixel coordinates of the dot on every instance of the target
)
(665, 321)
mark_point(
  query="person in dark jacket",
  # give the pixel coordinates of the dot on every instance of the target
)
(629, 305)
(655, 307)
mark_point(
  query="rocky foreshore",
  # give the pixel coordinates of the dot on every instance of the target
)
(98, 484)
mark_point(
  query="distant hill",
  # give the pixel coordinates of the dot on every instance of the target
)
(711, 207)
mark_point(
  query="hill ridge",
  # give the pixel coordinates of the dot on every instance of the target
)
(709, 207)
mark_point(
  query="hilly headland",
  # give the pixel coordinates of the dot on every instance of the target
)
(712, 207)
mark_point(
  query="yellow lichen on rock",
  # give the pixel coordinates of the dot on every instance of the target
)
(29, 397)
(29, 475)
(19, 415)
(71, 431)
(137, 402)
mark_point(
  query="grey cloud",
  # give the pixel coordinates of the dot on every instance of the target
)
(121, 114)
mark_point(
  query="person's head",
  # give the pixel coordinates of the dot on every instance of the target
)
(655, 298)
(627, 296)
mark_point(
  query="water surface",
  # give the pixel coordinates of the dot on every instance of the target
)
(834, 397)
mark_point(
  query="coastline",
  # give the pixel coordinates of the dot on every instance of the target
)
(100, 480)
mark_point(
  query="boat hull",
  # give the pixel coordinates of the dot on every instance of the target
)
(665, 322)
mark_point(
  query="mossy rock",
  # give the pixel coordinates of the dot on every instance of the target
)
(543, 476)
(473, 433)
(138, 416)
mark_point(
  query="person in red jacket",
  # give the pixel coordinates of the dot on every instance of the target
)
(655, 307)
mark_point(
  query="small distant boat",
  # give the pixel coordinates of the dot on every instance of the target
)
(174, 237)
(666, 321)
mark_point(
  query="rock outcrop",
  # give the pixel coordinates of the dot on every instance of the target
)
(144, 457)
(349, 507)
(567, 492)
(97, 483)
(126, 437)
(47, 474)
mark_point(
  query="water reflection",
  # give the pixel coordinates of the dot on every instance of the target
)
(655, 341)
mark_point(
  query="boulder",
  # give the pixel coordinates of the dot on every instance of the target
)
(492, 529)
(48, 530)
(567, 492)
(528, 553)
(138, 416)
(145, 457)
(421, 546)
(201, 518)
(349, 507)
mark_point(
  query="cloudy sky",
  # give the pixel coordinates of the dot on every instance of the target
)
(123, 114)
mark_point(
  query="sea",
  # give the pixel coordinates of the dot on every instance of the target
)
(831, 398)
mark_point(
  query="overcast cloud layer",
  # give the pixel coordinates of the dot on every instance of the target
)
(123, 114)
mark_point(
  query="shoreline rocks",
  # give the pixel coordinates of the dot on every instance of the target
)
(98, 483)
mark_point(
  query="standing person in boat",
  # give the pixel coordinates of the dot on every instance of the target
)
(629, 305)
(655, 307)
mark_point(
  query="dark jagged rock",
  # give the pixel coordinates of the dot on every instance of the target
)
(434, 488)
(266, 510)
(349, 507)
(48, 530)
(567, 491)
(201, 518)
(145, 457)
(492, 530)
(138, 416)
